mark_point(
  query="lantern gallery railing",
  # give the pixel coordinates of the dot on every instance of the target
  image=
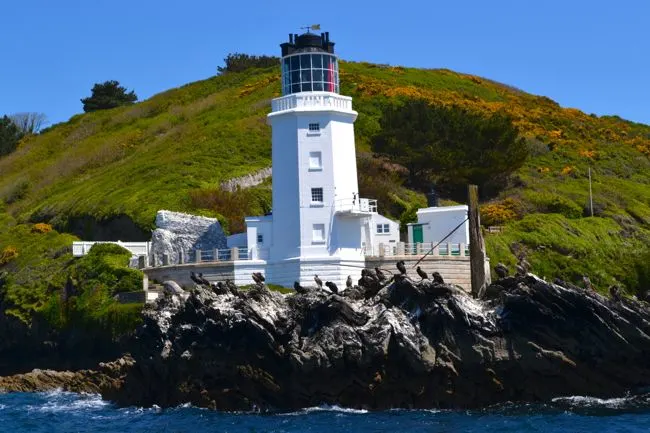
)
(417, 249)
(356, 205)
(314, 100)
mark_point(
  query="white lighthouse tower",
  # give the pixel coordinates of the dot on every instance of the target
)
(319, 224)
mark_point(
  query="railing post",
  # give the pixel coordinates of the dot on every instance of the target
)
(216, 255)
(418, 248)
(400, 248)
(181, 258)
(141, 262)
(197, 256)
(462, 250)
(234, 253)
(165, 259)
(448, 248)
(382, 252)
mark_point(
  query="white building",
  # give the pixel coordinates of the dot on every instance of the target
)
(448, 224)
(319, 224)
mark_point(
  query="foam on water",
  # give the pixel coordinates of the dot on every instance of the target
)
(581, 401)
(62, 401)
(326, 408)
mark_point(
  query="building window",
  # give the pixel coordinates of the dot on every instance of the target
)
(383, 228)
(260, 239)
(317, 195)
(315, 162)
(318, 233)
(314, 127)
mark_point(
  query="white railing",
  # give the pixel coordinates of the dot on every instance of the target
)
(418, 249)
(358, 205)
(81, 248)
(312, 100)
(216, 255)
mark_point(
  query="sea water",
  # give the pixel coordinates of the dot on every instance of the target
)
(59, 411)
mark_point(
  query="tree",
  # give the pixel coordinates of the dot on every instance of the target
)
(29, 123)
(108, 95)
(237, 62)
(450, 146)
(10, 135)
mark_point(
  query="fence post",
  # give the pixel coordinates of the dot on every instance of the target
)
(476, 244)
(382, 251)
(181, 258)
(215, 254)
(234, 253)
(165, 259)
(400, 248)
(141, 262)
(197, 256)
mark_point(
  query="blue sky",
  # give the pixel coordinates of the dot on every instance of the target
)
(592, 55)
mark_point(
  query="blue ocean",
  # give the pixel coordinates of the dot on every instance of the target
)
(58, 411)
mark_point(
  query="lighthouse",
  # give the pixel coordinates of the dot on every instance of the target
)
(319, 223)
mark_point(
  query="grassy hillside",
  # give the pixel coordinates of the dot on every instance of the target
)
(173, 150)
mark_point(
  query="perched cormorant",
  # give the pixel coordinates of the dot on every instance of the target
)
(203, 280)
(521, 271)
(333, 287)
(348, 282)
(523, 262)
(319, 282)
(401, 267)
(260, 276)
(421, 273)
(501, 270)
(194, 278)
(380, 275)
(437, 278)
(298, 288)
(615, 292)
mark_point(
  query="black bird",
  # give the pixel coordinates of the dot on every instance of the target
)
(401, 267)
(523, 262)
(501, 270)
(437, 278)
(421, 273)
(521, 271)
(348, 282)
(333, 288)
(260, 276)
(587, 282)
(298, 288)
(319, 282)
(256, 278)
(203, 280)
(380, 275)
(615, 293)
(194, 278)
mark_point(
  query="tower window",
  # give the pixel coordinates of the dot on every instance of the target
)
(383, 228)
(318, 233)
(260, 239)
(314, 127)
(315, 161)
(317, 195)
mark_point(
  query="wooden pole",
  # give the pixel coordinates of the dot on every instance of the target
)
(476, 244)
(591, 198)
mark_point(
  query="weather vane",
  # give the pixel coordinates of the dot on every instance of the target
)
(311, 27)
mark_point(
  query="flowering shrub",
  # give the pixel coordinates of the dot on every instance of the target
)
(499, 213)
(7, 254)
(41, 228)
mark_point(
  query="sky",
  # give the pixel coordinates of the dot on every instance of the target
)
(593, 55)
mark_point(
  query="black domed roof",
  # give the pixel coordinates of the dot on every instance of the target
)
(309, 40)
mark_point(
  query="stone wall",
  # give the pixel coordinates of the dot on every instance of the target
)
(247, 181)
(454, 269)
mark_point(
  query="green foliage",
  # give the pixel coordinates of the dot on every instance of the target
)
(238, 62)
(450, 145)
(105, 268)
(108, 94)
(10, 135)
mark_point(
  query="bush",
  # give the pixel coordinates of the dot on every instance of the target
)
(499, 213)
(8, 254)
(41, 228)
(546, 202)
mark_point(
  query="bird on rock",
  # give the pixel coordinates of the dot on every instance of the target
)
(348, 282)
(524, 263)
(437, 278)
(380, 275)
(521, 271)
(194, 278)
(587, 283)
(298, 288)
(256, 278)
(260, 276)
(615, 292)
(401, 267)
(319, 282)
(421, 273)
(333, 287)
(501, 270)
(203, 280)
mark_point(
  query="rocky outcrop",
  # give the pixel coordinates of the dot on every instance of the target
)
(178, 232)
(404, 345)
(247, 180)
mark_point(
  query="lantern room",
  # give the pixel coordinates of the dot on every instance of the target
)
(309, 64)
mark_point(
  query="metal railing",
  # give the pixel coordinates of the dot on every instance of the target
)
(216, 255)
(313, 100)
(417, 249)
(358, 205)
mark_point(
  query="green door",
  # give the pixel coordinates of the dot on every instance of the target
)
(417, 234)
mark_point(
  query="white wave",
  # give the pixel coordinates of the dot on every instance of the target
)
(63, 401)
(586, 401)
(2, 406)
(326, 408)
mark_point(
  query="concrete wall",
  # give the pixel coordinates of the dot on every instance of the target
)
(454, 270)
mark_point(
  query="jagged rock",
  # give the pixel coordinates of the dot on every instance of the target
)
(413, 345)
(178, 232)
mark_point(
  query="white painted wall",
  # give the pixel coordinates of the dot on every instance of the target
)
(389, 240)
(439, 221)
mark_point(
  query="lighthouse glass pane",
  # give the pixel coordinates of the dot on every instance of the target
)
(316, 61)
(305, 61)
(318, 87)
(295, 63)
(306, 87)
(318, 74)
